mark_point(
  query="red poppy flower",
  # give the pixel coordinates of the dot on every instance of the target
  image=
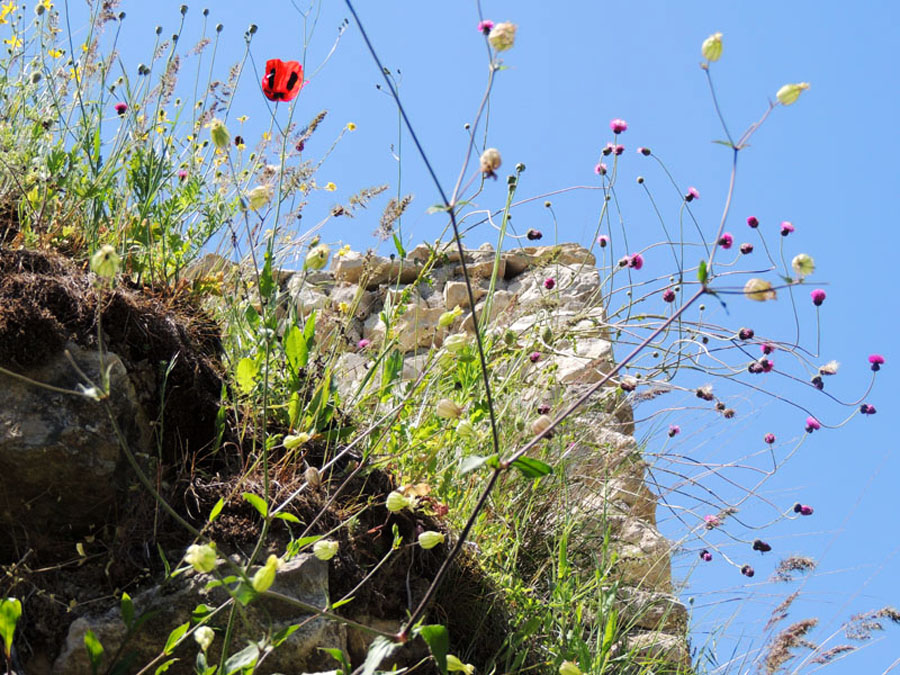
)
(283, 80)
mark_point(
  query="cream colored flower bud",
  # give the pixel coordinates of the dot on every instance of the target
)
(430, 539)
(466, 429)
(502, 36)
(202, 557)
(218, 132)
(447, 318)
(317, 257)
(265, 575)
(105, 262)
(313, 477)
(325, 549)
(447, 409)
(490, 160)
(791, 92)
(759, 290)
(259, 196)
(456, 343)
(292, 441)
(455, 665)
(567, 667)
(803, 265)
(204, 636)
(397, 501)
(712, 47)
(541, 424)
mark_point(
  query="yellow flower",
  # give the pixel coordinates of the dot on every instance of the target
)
(7, 9)
(242, 119)
(331, 187)
(55, 53)
(343, 307)
(343, 250)
(351, 126)
(14, 42)
(267, 136)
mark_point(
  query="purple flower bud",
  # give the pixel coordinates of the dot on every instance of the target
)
(692, 194)
(747, 571)
(812, 424)
(121, 108)
(182, 174)
(600, 169)
(543, 409)
(711, 521)
(533, 235)
(619, 149)
(636, 261)
(867, 409)
(746, 248)
(818, 383)
(674, 430)
(726, 240)
(485, 26)
(549, 283)
(705, 555)
(608, 149)
(767, 347)
(644, 151)
(769, 438)
(761, 546)
(618, 126)
(669, 295)
(362, 344)
(534, 357)
(755, 368)
(803, 509)
(746, 333)
(753, 222)
(624, 260)
(877, 360)
(603, 240)
(818, 296)
(786, 228)
(767, 365)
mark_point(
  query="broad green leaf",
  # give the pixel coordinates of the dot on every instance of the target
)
(609, 634)
(266, 281)
(702, 274)
(10, 611)
(295, 407)
(175, 636)
(284, 634)
(296, 349)
(200, 612)
(339, 656)
(127, 607)
(309, 329)
(379, 650)
(258, 503)
(438, 639)
(245, 594)
(164, 667)
(399, 246)
(247, 370)
(216, 509)
(289, 517)
(532, 468)
(94, 650)
(243, 659)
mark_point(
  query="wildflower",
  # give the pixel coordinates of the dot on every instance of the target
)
(712, 47)
(448, 317)
(669, 295)
(746, 333)
(265, 575)
(600, 169)
(812, 424)
(485, 26)
(105, 262)
(711, 521)
(747, 571)
(219, 134)
(397, 501)
(456, 343)
(803, 265)
(541, 424)
(818, 296)
(455, 665)
(292, 441)
(803, 509)
(351, 126)
(674, 430)
(533, 235)
(726, 240)
(259, 196)
(430, 539)
(746, 248)
(502, 36)
(317, 257)
(543, 409)
(325, 549)
(644, 151)
(692, 194)
(343, 250)
(705, 555)
(14, 42)
(182, 174)
(283, 80)
(766, 365)
(204, 636)
(202, 557)
(753, 222)
(829, 368)
(769, 438)
(767, 348)
(603, 240)
(761, 546)
(466, 429)
(636, 261)
(705, 392)
(549, 283)
(759, 290)
(608, 149)
(534, 357)
(791, 92)
(867, 409)
(786, 228)
(877, 360)
(55, 53)
(362, 344)
(330, 187)
(618, 150)
(490, 161)
(448, 409)
(618, 126)
(120, 108)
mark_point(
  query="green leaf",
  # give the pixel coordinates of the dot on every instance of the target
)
(266, 281)
(338, 655)
(243, 659)
(295, 407)
(379, 650)
(175, 636)
(200, 612)
(164, 667)
(437, 208)
(284, 634)
(245, 594)
(295, 349)
(341, 603)
(216, 509)
(127, 608)
(702, 274)
(247, 370)
(94, 650)
(165, 561)
(289, 517)
(438, 639)
(309, 329)
(532, 468)
(258, 503)
(609, 634)
(399, 246)
(10, 611)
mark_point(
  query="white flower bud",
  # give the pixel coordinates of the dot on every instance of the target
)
(791, 92)
(490, 160)
(803, 265)
(204, 636)
(317, 257)
(447, 409)
(265, 575)
(502, 36)
(430, 539)
(202, 557)
(218, 132)
(105, 262)
(259, 196)
(712, 48)
(397, 501)
(759, 290)
(325, 549)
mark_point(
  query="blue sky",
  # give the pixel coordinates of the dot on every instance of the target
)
(828, 164)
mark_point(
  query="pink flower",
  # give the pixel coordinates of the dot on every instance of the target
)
(674, 430)
(746, 333)
(818, 296)
(362, 344)
(603, 240)
(182, 174)
(786, 228)
(644, 151)
(692, 194)
(549, 283)
(618, 126)
(120, 108)
(877, 360)
(747, 571)
(769, 438)
(485, 26)
(636, 261)
(767, 365)
(726, 240)
(705, 555)
(867, 409)
(711, 521)
(753, 222)
(746, 248)
(533, 234)
(608, 149)
(600, 169)
(619, 149)
(767, 347)
(803, 509)
(534, 357)
(669, 295)
(812, 424)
